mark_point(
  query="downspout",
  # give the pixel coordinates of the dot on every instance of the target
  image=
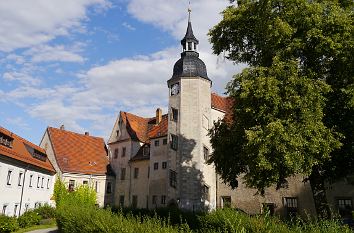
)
(22, 190)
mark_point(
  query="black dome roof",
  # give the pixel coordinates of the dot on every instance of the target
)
(189, 65)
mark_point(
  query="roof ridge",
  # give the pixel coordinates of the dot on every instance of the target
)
(79, 134)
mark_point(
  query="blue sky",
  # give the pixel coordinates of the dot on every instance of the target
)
(79, 63)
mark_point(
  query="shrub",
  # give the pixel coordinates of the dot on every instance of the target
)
(46, 211)
(8, 224)
(29, 218)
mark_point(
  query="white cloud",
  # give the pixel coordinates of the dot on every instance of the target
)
(27, 23)
(23, 78)
(60, 53)
(128, 26)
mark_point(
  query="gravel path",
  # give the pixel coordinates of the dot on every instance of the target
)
(48, 230)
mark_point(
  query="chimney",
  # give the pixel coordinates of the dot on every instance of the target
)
(62, 127)
(158, 116)
(87, 133)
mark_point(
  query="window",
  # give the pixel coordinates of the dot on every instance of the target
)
(164, 141)
(175, 89)
(6, 140)
(117, 133)
(206, 153)
(291, 206)
(116, 151)
(121, 200)
(20, 179)
(174, 115)
(38, 180)
(9, 177)
(205, 122)
(48, 183)
(109, 188)
(122, 174)
(26, 207)
(190, 45)
(164, 165)
(154, 199)
(173, 179)
(71, 185)
(85, 182)
(268, 208)
(136, 173)
(42, 184)
(226, 201)
(174, 142)
(146, 151)
(15, 209)
(205, 192)
(345, 206)
(96, 186)
(4, 207)
(148, 171)
(163, 200)
(30, 181)
(156, 166)
(123, 152)
(135, 201)
(157, 142)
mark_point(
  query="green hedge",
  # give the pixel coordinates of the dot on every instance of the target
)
(8, 224)
(29, 218)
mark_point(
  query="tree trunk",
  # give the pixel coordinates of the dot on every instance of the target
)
(319, 194)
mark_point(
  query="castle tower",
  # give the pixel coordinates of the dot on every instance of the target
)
(191, 180)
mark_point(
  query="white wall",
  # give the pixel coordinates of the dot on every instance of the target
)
(10, 195)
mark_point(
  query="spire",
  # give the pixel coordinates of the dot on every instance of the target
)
(189, 42)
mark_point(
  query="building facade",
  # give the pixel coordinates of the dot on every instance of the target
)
(161, 161)
(26, 175)
(80, 159)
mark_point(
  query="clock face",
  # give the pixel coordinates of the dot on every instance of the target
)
(175, 89)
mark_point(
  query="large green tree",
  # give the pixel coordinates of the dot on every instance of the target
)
(293, 110)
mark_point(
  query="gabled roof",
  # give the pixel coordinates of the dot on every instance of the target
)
(143, 129)
(24, 151)
(79, 153)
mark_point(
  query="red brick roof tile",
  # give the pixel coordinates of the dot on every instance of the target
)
(21, 153)
(79, 153)
(143, 129)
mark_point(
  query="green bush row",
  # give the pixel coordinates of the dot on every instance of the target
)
(29, 218)
(76, 212)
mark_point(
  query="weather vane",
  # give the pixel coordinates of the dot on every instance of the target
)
(189, 11)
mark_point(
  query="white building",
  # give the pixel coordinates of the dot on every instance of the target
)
(26, 175)
(80, 159)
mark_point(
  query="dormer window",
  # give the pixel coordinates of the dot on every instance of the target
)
(146, 151)
(39, 155)
(6, 140)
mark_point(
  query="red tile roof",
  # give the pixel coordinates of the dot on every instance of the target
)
(220, 103)
(79, 153)
(144, 129)
(21, 151)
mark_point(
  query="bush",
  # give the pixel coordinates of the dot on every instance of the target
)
(8, 224)
(45, 211)
(29, 218)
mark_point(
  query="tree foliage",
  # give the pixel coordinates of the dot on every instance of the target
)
(294, 106)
